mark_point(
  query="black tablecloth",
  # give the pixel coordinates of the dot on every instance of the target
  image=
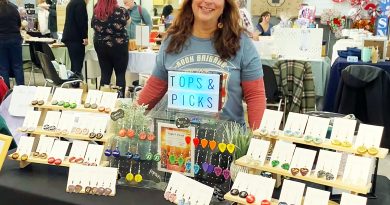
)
(45, 185)
(335, 72)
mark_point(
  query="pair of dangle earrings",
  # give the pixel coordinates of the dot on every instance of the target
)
(170, 196)
(130, 176)
(115, 153)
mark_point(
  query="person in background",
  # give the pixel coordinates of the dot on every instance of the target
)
(138, 15)
(245, 17)
(264, 27)
(53, 18)
(43, 17)
(166, 16)
(10, 43)
(75, 35)
(207, 31)
(111, 41)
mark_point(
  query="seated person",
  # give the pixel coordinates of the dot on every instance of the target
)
(264, 27)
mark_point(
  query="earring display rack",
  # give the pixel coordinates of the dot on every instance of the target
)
(338, 183)
(40, 131)
(65, 163)
(311, 177)
(45, 108)
(77, 109)
(382, 153)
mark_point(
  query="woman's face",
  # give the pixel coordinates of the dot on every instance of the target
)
(267, 18)
(208, 11)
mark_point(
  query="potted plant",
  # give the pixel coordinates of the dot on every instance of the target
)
(240, 137)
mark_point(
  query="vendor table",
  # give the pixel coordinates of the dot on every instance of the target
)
(139, 62)
(42, 184)
(343, 44)
(335, 72)
(320, 69)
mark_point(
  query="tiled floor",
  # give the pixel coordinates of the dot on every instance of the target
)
(384, 164)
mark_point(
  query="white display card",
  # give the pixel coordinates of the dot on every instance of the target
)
(66, 121)
(104, 177)
(109, 99)
(258, 150)
(94, 96)
(52, 118)
(25, 145)
(351, 199)
(303, 158)
(75, 96)
(292, 192)
(21, 98)
(189, 189)
(282, 152)
(296, 122)
(31, 120)
(59, 149)
(259, 186)
(316, 196)
(369, 136)
(357, 170)
(271, 120)
(42, 93)
(317, 127)
(100, 124)
(59, 94)
(78, 148)
(343, 129)
(45, 144)
(328, 161)
(94, 153)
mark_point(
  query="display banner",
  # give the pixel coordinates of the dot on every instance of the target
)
(194, 91)
(383, 19)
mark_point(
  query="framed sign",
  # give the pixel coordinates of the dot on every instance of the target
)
(175, 148)
(276, 7)
(5, 142)
(194, 91)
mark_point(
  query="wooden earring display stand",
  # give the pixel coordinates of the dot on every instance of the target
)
(39, 131)
(338, 183)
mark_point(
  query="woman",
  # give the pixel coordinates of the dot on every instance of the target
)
(75, 35)
(111, 41)
(264, 27)
(166, 16)
(10, 43)
(205, 30)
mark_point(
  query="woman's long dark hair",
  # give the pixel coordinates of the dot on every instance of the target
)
(226, 40)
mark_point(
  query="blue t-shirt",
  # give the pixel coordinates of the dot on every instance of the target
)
(199, 55)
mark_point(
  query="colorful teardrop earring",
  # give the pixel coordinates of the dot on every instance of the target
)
(226, 172)
(196, 165)
(213, 143)
(218, 169)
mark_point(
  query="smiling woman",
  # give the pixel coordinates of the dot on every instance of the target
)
(206, 37)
